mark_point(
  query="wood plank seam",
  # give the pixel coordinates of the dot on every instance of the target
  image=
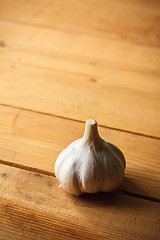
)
(80, 121)
(47, 173)
(122, 88)
(32, 204)
(29, 141)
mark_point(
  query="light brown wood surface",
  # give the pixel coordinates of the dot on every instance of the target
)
(33, 207)
(62, 62)
(34, 140)
(120, 77)
(133, 21)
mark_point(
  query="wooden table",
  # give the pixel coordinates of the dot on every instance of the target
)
(62, 62)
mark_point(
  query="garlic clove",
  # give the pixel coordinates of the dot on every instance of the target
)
(90, 164)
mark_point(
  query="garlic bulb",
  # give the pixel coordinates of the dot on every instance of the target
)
(90, 164)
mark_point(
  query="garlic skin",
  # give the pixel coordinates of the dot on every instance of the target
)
(90, 164)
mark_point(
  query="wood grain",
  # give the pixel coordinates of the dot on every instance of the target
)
(62, 62)
(33, 207)
(121, 71)
(128, 21)
(33, 140)
(80, 97)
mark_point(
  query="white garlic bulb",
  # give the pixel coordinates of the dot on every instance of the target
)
(90, 164)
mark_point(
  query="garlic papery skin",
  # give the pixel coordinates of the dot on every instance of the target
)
(90, 164)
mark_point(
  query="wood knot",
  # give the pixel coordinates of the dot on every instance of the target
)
(93, 63)
(93, 80)
(3, 174)
(2, 44)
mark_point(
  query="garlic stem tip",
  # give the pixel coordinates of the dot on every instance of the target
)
(91, 122)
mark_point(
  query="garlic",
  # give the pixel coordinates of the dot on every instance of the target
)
(90, 164)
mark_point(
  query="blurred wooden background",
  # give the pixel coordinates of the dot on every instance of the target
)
(62, 62)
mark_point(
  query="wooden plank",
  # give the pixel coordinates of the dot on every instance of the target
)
(34, 140)
(33, 207)
(115, 75)
(99, 67)
(117, 105)
(132, 21)
(80, 48)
